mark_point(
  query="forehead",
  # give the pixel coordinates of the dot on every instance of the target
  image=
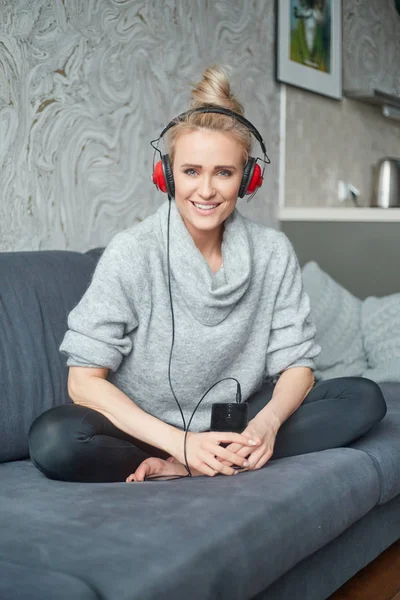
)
(208, 147)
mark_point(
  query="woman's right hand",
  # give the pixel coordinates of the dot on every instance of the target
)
(203, 448)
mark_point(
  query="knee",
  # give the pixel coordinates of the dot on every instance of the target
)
(370, 396)
(52, 443)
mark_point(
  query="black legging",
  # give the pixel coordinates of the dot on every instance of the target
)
(74, 443)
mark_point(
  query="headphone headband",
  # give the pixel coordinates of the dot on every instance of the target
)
(217, 110)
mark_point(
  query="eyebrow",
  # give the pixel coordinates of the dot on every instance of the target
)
(216, 166)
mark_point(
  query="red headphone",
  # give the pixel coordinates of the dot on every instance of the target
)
(252, 178)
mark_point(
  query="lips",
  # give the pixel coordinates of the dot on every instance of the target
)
(204, 212)
(215, 204)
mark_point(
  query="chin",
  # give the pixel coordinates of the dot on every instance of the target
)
(205, 224)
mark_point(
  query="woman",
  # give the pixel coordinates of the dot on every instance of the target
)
(239, 311)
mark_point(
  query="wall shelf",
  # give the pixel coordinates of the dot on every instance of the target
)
(310, 213)
(376, 97)
(389, 103)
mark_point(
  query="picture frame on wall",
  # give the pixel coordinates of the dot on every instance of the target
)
(309, 45)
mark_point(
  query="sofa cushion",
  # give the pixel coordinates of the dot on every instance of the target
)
(22, 582)
(222, 537)
(337, 317)
(382, 444)
(380, 322)
(37, 291)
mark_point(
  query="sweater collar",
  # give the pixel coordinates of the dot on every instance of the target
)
(191, 275)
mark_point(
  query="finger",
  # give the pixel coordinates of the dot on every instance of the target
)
(234, 447)
(230, 447)
(249, 433)
(231, 457)
(206, 470)
(256, 456)
(143, 470)
(256, 462)
(242, 470)
(140, 474)
(230, 436)
(130, 478)
(244, 452)
(219, 467)
(261, 463)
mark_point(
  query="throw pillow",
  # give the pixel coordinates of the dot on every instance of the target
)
(337, 317)
(380, 323)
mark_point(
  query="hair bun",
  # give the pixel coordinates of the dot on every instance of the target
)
(214, 88)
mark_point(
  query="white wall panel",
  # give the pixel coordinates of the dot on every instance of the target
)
(84, 86)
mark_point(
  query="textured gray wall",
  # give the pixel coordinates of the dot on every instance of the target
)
(329, 140)
(371, 40)
(84, 86)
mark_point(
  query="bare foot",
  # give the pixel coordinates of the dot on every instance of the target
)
(153, 466)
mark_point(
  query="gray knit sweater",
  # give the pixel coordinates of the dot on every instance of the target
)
(250, 320)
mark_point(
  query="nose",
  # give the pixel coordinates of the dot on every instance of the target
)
(206, 189)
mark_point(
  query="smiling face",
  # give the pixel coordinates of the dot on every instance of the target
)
(207, 168)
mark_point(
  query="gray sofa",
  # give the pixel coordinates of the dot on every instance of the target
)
(298, 528)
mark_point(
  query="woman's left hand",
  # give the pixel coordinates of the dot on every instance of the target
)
(263, 429)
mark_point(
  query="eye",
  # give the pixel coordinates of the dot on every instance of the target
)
(190, 172)
(225, 173)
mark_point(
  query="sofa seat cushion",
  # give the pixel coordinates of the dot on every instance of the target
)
(24, 582)
(223, 537)
(382, 444)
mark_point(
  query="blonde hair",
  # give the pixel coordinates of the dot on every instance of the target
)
(213, 89)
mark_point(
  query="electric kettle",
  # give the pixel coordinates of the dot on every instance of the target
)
(386, 188)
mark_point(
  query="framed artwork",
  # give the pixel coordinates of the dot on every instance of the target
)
(309, 45)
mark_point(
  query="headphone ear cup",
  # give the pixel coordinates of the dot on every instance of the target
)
(246, 177)
(159, 178)
(256, 179)
(252, 177)
(169, 176)
(163, 177)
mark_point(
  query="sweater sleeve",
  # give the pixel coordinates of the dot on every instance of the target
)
(99, 326)
(292, 337)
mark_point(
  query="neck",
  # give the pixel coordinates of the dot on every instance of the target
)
(208, 242)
